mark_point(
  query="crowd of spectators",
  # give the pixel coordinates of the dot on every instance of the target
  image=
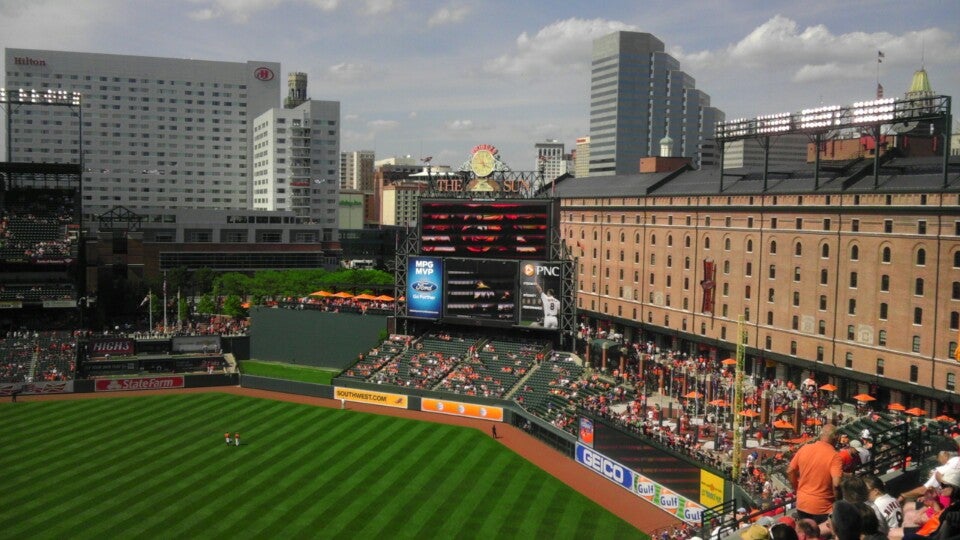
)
(33, 225)
(27, 356)
(335, 304)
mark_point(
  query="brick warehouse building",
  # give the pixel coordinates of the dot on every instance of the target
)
(860, 283)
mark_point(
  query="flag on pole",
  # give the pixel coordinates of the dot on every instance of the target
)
(880, 56)
(144, 301)
(879, 91)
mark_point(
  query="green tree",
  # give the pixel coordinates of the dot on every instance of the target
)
(202, 281)
(206, 304)
(233, 307)
(183, 310)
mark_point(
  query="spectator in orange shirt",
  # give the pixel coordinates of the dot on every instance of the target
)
(815, 472)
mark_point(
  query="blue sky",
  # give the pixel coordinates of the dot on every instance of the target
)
(424, 77)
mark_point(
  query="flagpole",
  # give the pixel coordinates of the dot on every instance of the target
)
(150, 309)
(164, 302)
(179, 319)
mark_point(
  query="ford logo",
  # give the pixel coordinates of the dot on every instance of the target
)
(424, 286)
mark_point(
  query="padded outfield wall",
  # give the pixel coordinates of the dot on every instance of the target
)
(315, 338)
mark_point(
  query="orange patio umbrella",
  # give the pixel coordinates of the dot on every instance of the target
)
(343, 294)
(749, 413)
(828, 387)
(384, 298)
(799, 440)
(945, 418)
(864, 397)
(720, 403)
(783, 424)
(364, 297)
(322, 294)
(915, 411)
(728, 361)
(693, 395)
(813, 422)
(896, 407)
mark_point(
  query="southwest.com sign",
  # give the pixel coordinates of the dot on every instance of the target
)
(638, 484)
(397, 401)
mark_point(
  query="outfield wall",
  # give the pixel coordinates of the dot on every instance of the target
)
(315, 338)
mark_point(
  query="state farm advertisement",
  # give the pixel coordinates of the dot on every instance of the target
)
(139, 383)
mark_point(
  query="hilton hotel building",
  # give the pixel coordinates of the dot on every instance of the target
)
(157, 132)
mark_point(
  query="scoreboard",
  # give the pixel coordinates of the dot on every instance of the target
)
(486, 262)
(503, 229)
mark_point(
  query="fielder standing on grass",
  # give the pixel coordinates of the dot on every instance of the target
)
(227, 437)
(236, 438)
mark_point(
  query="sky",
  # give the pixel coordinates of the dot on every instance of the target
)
(437, 77)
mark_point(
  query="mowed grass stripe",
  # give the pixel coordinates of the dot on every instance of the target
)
(321, 498)
(423, 478)
(240, 505)
(99, 459)
(379, 480)
(166, 473)
(287, 480)
(247, 473)
(368, 486)
(446, 495)
(121, 444)
(208, 499)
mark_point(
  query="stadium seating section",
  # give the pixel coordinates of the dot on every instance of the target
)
(37, 357)
(35, 226)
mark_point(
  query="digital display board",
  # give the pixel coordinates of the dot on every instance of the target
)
(539, 294)
(470, 228)
(481, 290)
(424, 287)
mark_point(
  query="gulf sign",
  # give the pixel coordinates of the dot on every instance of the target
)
(667, 500)
(139, 383)
(424, 287)
(457, 408)
(384, 399)
(604, 466)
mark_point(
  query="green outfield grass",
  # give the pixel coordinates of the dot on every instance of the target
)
(293, 372)
(158, 467)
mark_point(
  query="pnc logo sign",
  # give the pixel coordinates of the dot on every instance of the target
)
(263, 74)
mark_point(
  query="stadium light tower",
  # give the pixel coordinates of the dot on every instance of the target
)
(22, 96)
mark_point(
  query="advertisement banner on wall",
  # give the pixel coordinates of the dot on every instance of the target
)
(663, 498)
(424, 287)
(101, 348)
(384, 399)
(539, 294)
(37, 388)
(711, 489)
(585, 434)
(139, 383)
(457, 408)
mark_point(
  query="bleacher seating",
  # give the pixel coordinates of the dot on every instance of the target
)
(35, 226)
(37, 356)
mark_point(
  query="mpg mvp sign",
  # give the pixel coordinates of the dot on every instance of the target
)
(424, 287)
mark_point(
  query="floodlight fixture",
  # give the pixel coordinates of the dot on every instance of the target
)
(25, 96)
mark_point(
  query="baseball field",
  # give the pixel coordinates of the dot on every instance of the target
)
(158, 467)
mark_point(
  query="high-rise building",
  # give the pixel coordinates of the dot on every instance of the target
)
(639, 95)
(296, 90)
(582, 163)
(784, 151)
(551, 158)
(356, 170)
(296, 162)
(157, 132)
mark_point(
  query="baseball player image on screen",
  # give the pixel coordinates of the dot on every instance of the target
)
(551, 307)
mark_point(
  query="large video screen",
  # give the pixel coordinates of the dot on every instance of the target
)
(424, 287)
(501, 229)
(540, 294)
(482, 291)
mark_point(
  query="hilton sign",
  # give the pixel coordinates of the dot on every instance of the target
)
(27, 61)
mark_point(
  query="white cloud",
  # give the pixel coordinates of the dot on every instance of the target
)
(447, 15)
(815, 53)
(346, 71)
(460, 125)
(239, 11)
(378, 7)
(350, 117)
(562, 46)
(412, 115)
(383, 125)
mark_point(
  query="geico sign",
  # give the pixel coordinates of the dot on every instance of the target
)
(605, 466)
